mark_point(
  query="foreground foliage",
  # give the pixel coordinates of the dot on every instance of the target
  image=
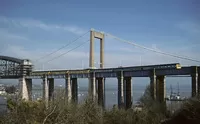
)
(59, 112)
(86, 113)
(188, 114)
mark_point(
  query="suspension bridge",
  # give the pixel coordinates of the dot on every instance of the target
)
(22, 69)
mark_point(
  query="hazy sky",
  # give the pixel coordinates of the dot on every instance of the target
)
(31, 29)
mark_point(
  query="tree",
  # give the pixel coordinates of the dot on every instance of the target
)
(152, 105)
(10, 89)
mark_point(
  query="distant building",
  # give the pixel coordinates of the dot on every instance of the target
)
(2, 89)
(2, 92)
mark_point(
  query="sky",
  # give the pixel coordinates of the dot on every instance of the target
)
(32, 29)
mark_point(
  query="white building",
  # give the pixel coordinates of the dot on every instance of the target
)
(2, 92)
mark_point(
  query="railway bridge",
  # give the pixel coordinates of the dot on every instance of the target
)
(13, 68)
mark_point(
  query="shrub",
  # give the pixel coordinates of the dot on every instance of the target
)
(189, 113)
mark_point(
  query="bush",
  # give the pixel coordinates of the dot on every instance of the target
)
(189, 113)
(10, 89)
(152, 106)
(29, 112)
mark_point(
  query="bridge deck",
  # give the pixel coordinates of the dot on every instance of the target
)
(133, 71)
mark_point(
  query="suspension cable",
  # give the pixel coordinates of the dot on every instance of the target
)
(67, 51)
(61, 47)
(153, 50)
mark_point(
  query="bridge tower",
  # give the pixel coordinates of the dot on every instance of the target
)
(92, 81)
(100, 36)
(24, 69)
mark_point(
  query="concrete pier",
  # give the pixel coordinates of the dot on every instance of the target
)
(128, 100)
(92, 87)
(160, 88)
(51, 88)
(194, 84)
(153, 85)
(29, 88)
(124, 93)
(45, 90)
(96, 84)
(198, 85)
(25, 88)
(74, 90)
(68, 90)
(194, 76)
(101, 91)
(120, 90)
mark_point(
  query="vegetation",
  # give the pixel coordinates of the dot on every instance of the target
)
(188, 114)
(153, 106)
(59, 112)
(10, 89)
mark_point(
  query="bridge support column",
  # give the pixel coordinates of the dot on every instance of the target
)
(26, 88)
(68, 90)
(92, 87)
(45, 90)
(153, 85)
(120, 91)
(96, 84)
(198, 85)
(101, 91)
(194, 80)
(128, 94)
(102, 52)
(29, 87)
(160, 88)
(74, 90)
(51, 88)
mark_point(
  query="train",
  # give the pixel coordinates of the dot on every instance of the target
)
(130, 68)
(148, 67)
(138, 68)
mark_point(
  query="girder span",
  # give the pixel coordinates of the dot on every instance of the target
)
(11, 67)
(12, 59)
